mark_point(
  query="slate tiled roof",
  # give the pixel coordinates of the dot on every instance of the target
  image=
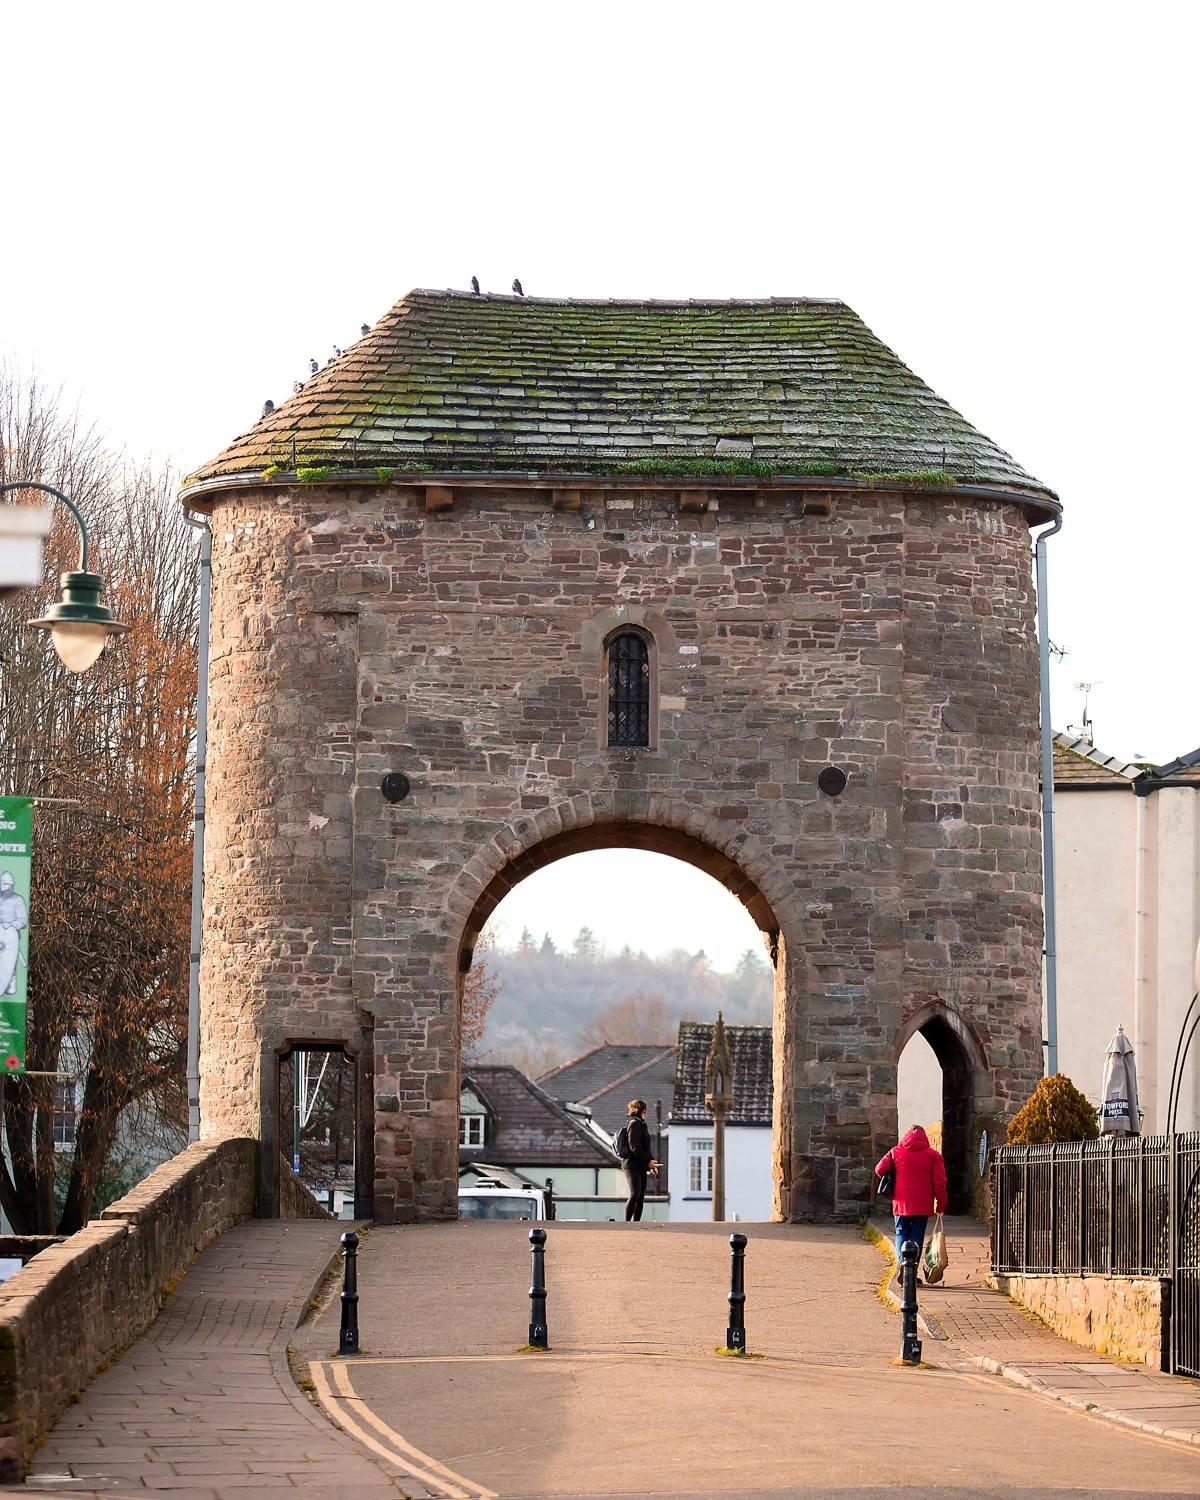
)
(447, 381)
(527, 1126)
(1078, 764)
(1184, 770)
(608, 1077)
(750, 1049)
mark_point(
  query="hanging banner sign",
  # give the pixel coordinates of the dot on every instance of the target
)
(16, 849)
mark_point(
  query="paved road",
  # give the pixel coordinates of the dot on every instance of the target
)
(632, 1400)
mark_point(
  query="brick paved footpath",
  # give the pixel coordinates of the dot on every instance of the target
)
(995, 1334)
(203, 1406)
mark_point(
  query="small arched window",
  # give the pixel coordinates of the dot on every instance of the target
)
(628, 690)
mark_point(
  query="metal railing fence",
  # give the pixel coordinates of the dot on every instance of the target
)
(1185, 1269)
(1119, 1206)
(1099, 1208)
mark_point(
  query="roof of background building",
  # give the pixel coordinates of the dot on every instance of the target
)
(529, 1127)
(609, 1076)
(1079, 766)
(1077, 762)
(447, 381)
(750, 1052)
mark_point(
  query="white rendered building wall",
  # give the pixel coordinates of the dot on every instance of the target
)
(748, 1180)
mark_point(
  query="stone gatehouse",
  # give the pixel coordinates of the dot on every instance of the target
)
(723, 580)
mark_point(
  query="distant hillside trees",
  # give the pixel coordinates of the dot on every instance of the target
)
(551, 1006)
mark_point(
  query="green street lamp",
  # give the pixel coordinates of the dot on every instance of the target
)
(79, 624)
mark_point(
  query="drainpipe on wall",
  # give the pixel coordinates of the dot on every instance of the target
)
(1048, 891)
(193, 1050)
(1141, 1050)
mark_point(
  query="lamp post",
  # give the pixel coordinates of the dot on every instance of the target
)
(718, 1080)
(79, 624)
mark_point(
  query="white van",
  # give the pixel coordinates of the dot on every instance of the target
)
(487, 1202)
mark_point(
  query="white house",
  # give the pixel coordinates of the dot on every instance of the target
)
(1127, 860)
(1127, 852)
(749, 1186)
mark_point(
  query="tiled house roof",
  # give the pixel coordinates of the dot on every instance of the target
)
(526, 1126)
(609, 1076)
(448, 382)
(1077, 763)
(1080, 767)
(750, 1050)
(1184, 770)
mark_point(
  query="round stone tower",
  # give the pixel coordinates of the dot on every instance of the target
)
(723, 580)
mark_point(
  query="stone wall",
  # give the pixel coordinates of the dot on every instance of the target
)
(295, 1200)
(355, 632)
(82, 1301)
(1118, 1316)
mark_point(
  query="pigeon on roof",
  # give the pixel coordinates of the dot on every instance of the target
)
(475, 285)
(517, 287)
(268, 407)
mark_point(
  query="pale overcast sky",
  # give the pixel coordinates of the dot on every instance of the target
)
(198, 198)
(650, 901)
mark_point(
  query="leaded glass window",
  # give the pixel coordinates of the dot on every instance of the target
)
(628, 690)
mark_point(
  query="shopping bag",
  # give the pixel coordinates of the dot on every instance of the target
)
(936, 1257)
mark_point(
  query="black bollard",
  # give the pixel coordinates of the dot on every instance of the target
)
(348, 1338)
(910, 1253)
(538, 1336)
(735, 1334)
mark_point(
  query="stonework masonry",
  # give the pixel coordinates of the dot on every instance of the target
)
(357, 631)
(1115, 1315)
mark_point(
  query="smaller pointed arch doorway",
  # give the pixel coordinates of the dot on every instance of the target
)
(937, 1084)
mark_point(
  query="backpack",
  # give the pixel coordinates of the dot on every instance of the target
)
(620, 1144)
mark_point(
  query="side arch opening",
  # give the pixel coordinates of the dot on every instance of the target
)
(940, 1063)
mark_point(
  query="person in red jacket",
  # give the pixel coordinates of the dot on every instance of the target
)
(920, 1186)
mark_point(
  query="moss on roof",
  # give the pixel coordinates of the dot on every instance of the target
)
(448, 381)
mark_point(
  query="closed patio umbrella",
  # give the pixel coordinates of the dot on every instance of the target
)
(1119, 1111)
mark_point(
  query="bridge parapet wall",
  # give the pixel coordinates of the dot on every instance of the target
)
(84, 1300)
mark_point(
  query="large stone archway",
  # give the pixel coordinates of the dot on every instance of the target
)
(661, 826)
(454, 625)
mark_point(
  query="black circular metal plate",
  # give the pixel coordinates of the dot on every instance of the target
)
(395, 786)
(832, 781)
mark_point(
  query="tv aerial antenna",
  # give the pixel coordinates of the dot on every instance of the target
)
(1087, 729)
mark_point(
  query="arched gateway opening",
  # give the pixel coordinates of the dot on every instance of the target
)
(753, 1191)
(940, 1067)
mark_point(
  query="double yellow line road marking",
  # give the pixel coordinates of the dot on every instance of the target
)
(350, 1411)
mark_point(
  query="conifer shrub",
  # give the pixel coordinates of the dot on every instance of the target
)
(1055, 1111)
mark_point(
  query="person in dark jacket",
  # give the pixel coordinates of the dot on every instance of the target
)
(920, 1186)
(640, 1163)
